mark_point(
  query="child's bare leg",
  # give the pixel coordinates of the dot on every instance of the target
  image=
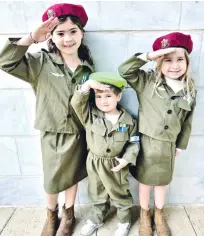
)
(159, 195)
(144, 195)
(70, 195)
(51, 201)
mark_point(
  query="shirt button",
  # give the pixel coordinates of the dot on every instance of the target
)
(108, 150)
(73, 81)
(166, 127)
(109, 135)
(68, 116)
(169, 111)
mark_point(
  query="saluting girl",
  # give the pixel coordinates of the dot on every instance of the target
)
(53, 75)
(166, 105)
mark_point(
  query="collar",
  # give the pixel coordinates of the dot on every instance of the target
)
(124, 118)
(57, 59)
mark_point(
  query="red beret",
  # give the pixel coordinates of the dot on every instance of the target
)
(63, 9)
(175, 39)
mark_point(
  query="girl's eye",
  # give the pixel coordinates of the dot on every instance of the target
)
(167, 60)
(97, 96)
(73, 31)
(109, 96)
(60, 34)
(180, 59)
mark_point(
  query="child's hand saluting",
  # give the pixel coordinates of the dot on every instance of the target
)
(42, 33)
(122, 164)
(85, 88)
(159, 53)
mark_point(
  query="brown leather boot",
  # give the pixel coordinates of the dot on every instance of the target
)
(145, 228)
(51, 224)
(67, 222)
(162, 227)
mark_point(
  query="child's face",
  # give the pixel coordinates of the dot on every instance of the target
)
(174, 64)
(67, 37)
(106, 101)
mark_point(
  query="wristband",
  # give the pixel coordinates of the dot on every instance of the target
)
(30, 35)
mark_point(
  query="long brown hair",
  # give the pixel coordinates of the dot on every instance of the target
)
(83, 51)
(190, 86)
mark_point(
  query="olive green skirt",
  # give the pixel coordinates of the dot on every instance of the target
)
(64, 160)
(155, 162)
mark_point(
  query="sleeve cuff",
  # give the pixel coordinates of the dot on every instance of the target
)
(178, 149)
(83, 90)
(143, 57)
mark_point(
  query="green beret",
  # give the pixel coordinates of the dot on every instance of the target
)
(109, 78)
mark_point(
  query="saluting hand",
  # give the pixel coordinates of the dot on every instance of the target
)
(122, 164)
(42, 33)
(159, 53)
(94, 85)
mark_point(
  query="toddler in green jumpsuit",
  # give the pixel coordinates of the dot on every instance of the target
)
(112, 143)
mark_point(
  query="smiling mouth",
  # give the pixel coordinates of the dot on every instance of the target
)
(68, 46)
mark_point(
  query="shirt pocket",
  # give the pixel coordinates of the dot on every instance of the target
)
(183, 104)
(119, 144)
(121, 136)
(95, 135)
(98, 129)
(183, 109)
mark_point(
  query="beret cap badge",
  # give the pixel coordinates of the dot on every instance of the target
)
(165, 43)
(50, 13)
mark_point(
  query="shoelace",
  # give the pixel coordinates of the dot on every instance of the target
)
(89, 222)
(123, 226)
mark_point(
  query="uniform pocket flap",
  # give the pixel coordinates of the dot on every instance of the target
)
(183, 104)
(98, 129)
(121, 136)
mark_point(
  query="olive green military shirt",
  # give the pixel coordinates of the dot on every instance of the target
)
(53, 83)
(104, 139)
(165, 116)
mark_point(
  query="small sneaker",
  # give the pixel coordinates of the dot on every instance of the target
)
(89, 228)
(123, 229)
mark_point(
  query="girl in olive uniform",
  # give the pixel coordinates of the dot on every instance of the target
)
(166, 104)
(53, 75)
(111, 139)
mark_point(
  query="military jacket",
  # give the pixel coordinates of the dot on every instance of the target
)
(104, 139)
(165, 116)
(52, 81)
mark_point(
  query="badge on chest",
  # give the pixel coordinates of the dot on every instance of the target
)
(122, 128)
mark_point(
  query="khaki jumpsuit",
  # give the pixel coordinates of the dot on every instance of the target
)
(165, 124)
(104, 143)
(62, 135)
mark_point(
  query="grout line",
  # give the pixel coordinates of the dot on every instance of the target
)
(190, 221)
(18, 157)
(8, 221)
(180, 16)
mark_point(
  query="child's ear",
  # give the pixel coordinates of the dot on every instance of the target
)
(119, 96)
(82, 35)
